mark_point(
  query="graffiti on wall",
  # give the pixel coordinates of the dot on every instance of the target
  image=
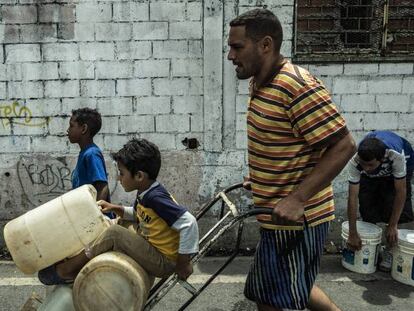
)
(15, 110)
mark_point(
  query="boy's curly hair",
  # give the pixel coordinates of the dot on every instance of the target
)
(90, 117)
(140, 155)
(371, 148)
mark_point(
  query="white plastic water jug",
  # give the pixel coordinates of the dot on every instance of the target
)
(111, 281)
(55, 230)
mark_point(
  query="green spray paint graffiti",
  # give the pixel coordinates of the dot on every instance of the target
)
(8, 113)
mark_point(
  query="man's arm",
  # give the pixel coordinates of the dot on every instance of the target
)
(102, 190)
(354, 241)
(398, 206)
(330, 165)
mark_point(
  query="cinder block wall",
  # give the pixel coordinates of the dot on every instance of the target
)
(158, 70)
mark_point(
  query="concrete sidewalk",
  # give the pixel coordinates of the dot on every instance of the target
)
(350, 291)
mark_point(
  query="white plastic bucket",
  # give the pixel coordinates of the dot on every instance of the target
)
(55, 230)
(365, 260)
(403, 258)
(111, 281)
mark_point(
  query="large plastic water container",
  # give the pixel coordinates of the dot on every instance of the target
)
(59, 299)
(55, 230)
(111, 281)
(403, 258)
(365, 260)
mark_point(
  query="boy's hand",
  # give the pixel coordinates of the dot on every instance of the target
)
(183, 268)
(107, 207)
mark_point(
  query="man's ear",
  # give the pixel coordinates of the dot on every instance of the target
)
(267, 44)
(84, 128)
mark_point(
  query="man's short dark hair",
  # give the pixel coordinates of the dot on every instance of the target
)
(90, 117)
(260, 23)
(140, 155)
(371, 148)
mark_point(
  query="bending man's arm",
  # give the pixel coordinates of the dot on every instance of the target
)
(354, 241)
(330, 165)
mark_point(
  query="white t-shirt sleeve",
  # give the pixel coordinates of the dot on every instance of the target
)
(188, 228)
(354, 175)
(399, 169)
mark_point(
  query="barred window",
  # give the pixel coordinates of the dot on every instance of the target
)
(354, 30)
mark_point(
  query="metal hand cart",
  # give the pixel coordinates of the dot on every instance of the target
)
(234, 216)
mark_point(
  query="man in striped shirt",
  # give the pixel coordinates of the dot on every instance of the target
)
(297, 143)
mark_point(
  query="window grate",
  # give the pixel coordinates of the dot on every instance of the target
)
(351, 29)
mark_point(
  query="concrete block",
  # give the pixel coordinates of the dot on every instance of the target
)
(195, 48)
(113, 31)
(152, 68)
(241, 124)
(133, 87)
(197, 123)
(326, 69)
(58, 126)
(405, 122)
(97, 51)
(354, 121)
(286, 48)
(187, 67)
(177, 86)
(3, 72)
(25, 90)
(18, 14)
(88, 13)
(393, 103)
(241, 140)
(360, 69)
(60, 52)
(130, 11)
(98, 88)
(226, 158)
(21, 53)
(164, 141)
(114, 70)
(15, 144)
(115, 106)
(192, 135)
(3, 90)
(188, 104)
(166, 11)
(14, 72)
(80, 32)
(69, 104)
(10, 33)
(241, 103)
(49, 143)
(381, 121)
(385, 85)
(57, 13)
(110, 125)
(25, 127)
(349, 85)
(395, 68)
(136, 124)
(133, 50)
(34, 33)
(62, 88)
(39, 71)
(186, 30)
(243, 87)
(408, 85)
(76, 70)
(43, 107)
(153, 105)
(170, 49)
(194, 11)
(150, 31)
(172, 123)
(358, 103)
(196, 86)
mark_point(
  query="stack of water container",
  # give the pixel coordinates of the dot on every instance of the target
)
(365, 260)
(61, 228)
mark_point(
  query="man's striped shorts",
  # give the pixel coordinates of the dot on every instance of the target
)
(285, 266)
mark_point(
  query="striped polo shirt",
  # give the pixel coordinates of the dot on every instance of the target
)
(290, 122)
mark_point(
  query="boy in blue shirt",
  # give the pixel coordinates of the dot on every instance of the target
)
(380, 181)
(168, 233)
(84, 124)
